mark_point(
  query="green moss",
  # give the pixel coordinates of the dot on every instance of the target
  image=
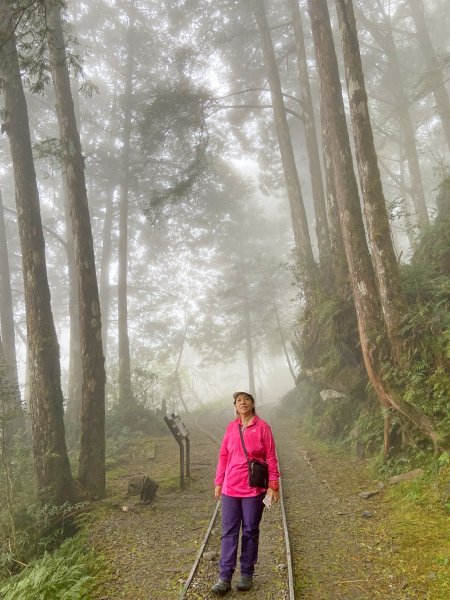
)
(417, 526)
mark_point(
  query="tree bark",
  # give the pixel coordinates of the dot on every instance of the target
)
(91, 472)
(249, 341)
(434, 69)
(309, 123)
(298, 213)
(7, 318)
(52, 470)
(177, 369)
(338, 260)
(74, 388)
(374, 343)
(105, 288)
(393, 301)
(125, 390)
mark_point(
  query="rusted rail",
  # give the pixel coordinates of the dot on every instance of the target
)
(187, 584)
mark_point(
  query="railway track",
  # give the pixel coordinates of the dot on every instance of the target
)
(277, 580)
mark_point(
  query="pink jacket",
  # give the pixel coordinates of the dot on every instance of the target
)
(232, 468)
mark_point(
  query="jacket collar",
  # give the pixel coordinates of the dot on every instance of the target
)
(255, 419)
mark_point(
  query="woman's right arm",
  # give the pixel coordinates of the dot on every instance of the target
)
(221, 466)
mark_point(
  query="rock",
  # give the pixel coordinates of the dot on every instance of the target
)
(281, 567)
(409, 476)
(367, 514)
(211, 556)
(366, 495)
(330, 394)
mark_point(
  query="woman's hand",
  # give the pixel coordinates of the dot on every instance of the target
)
(274, 495)
(217, 491)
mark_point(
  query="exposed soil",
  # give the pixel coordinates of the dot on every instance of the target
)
(336, 546)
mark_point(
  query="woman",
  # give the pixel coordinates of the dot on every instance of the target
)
(242, 505)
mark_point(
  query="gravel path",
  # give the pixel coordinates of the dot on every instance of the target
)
(151, 549)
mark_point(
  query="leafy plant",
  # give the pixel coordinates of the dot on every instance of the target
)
(66, 574)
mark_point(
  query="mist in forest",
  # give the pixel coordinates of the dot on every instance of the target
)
(202, 197)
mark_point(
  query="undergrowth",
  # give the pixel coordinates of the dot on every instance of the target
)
(417, 527)
(69, 573)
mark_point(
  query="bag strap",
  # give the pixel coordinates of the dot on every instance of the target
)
(243, 443)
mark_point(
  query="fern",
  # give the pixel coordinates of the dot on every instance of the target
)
(66, 574)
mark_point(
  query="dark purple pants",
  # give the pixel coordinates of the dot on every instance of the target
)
(237, 511)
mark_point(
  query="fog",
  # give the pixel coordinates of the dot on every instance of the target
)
(227, 201)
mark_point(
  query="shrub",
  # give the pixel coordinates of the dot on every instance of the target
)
(66, 574)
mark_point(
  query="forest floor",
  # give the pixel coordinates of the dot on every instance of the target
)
(343, 546)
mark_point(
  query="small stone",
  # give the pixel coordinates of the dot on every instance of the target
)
(409, 476)
(281, 567)
(211, 556)
(367, 514)
(366, 495)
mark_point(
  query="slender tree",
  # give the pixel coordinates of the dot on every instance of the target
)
(74, 387)
(374, 343)
(105, 287)
(298, 213)
(247, 318)
(309, 123)
(52, 470)
(385, 38)
(393, 301)
(125, 390)
(91, 471)
(434, 70)
(338, 258)
(7, 314)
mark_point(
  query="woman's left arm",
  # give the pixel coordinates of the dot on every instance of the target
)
(272, 462)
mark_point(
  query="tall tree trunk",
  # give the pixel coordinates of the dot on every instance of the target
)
(385, 39)
(7, 317)
(177, 368)
(74, 388)
(434, 69)
(91, 471)
(374, 343)
(125, 390)
(309, 123)
(338, 260)
(283, 343)
(247, 318)
(298, 213)
(53, 477)
(393, 301)
(249, 342)
(105, 288)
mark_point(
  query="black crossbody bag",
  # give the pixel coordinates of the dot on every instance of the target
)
(258, 472)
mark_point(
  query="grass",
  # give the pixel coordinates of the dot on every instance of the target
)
(417, 524)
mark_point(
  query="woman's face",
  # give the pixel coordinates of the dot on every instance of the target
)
(244, 405)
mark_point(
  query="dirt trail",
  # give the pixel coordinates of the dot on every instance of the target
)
(333, 546)
(151, 549)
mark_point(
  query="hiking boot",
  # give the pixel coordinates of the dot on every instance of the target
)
(245, 583)
(221, 587)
